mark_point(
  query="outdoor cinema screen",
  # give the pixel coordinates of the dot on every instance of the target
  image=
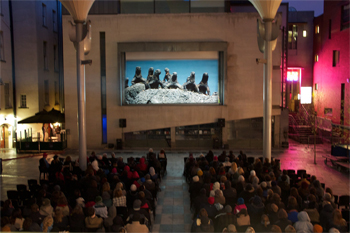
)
(171, 78)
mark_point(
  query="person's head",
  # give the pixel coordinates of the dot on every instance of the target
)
(231, 228)
(265, 220)
(45, 155)
(276, 228)
(118, 193)
(337, 217)
(142, 195)
(77, 210)
(27, 224)
(318, 228)
(250, 230)
(294, 192)
(290, 229)
(227, 184)
(106, 187)
(17, 213)
(292, 202)
(203, 212)
(55, 157)
(68, 159)
(62, 200)
(282, 214)
(90, 212)
(47, 222)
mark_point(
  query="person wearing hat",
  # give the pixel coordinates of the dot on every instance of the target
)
(255, 209)
(46, 209)
(224, 219)
(303, 224)
(135, 226)
(240, 205)
(318, 228)
(100, 208)
(144, 214)
(195, 188)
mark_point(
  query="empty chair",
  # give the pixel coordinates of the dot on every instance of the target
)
(290, 172)
(12, 194)
(345, 214)
(344, 201)
(335, 199)
(21, 187)
(301, 173)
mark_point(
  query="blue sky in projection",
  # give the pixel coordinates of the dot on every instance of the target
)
(182, 67)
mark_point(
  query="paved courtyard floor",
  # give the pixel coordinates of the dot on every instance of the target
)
(173, 212)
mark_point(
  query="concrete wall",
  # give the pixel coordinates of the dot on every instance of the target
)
(329, 78)
(243, 82)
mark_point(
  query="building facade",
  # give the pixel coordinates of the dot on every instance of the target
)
(31, 66)
(176, 125)
(331, 63)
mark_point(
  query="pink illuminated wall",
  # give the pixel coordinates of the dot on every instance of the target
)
(328, 77)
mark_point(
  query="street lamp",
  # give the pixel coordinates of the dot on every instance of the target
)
(267, 36)
(79, 10)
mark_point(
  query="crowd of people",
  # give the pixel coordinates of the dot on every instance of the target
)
(112, 195)
(231, 193)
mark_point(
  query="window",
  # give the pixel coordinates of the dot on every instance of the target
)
(2, 47)
(57, 95)
(23, 101)
(316, 86)
(46, 92)
(330, 29)
(46, 62)
(345, 17)
(317, 29)
(335, 58)
(54, 18)
(304, 33)
(55, 58)
(44, 15)
(7, 95)
(292, 36)
(316, 58)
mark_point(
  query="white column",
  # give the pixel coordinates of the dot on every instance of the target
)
(81, 96)
(267, 93)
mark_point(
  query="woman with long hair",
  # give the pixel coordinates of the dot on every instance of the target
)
(46, 225)
(60, 221)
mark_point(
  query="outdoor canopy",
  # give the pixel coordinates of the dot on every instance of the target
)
(44, 116)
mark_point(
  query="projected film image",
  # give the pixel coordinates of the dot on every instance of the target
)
(171, 80)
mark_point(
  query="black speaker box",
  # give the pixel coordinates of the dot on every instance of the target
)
(122, 123)
(221, 122)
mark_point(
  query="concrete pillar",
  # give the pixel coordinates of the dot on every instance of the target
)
(173, 135)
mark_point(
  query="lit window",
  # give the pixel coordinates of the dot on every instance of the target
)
(335, 58)
(317, 29)
(292, 36)
(306, 95)
(304, 33)
(316, 86)
(316, 58)
(23, 101)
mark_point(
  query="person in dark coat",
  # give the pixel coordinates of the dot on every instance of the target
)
(44, 164)
(247, 193)
(77, 220)
(255, 209)
(35, 215)
(92, 192)
(210, 207)
(326, 217)
(210, 156)
(283, 221)
(264, 225)
(230, 194)
(195, 188)
(145, 217)
(60, 222)
(224, 219)
(200, 199)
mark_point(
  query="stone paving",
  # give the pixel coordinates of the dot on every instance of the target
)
(173, 212)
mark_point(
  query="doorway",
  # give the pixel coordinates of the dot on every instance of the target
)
(342, 99)
(4, 136)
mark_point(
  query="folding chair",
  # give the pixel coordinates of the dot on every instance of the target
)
(344, 201)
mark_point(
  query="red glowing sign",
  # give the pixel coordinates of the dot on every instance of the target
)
(294, 74)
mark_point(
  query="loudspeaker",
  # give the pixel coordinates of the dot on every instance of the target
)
(122, 123)
(221, 122)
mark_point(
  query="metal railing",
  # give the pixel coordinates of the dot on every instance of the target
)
(293, 123)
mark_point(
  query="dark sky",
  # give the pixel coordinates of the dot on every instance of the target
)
(307, 5)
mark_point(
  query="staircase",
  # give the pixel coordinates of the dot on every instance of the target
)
(300, 128)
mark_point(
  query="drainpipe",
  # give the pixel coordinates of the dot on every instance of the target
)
(14, 94)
